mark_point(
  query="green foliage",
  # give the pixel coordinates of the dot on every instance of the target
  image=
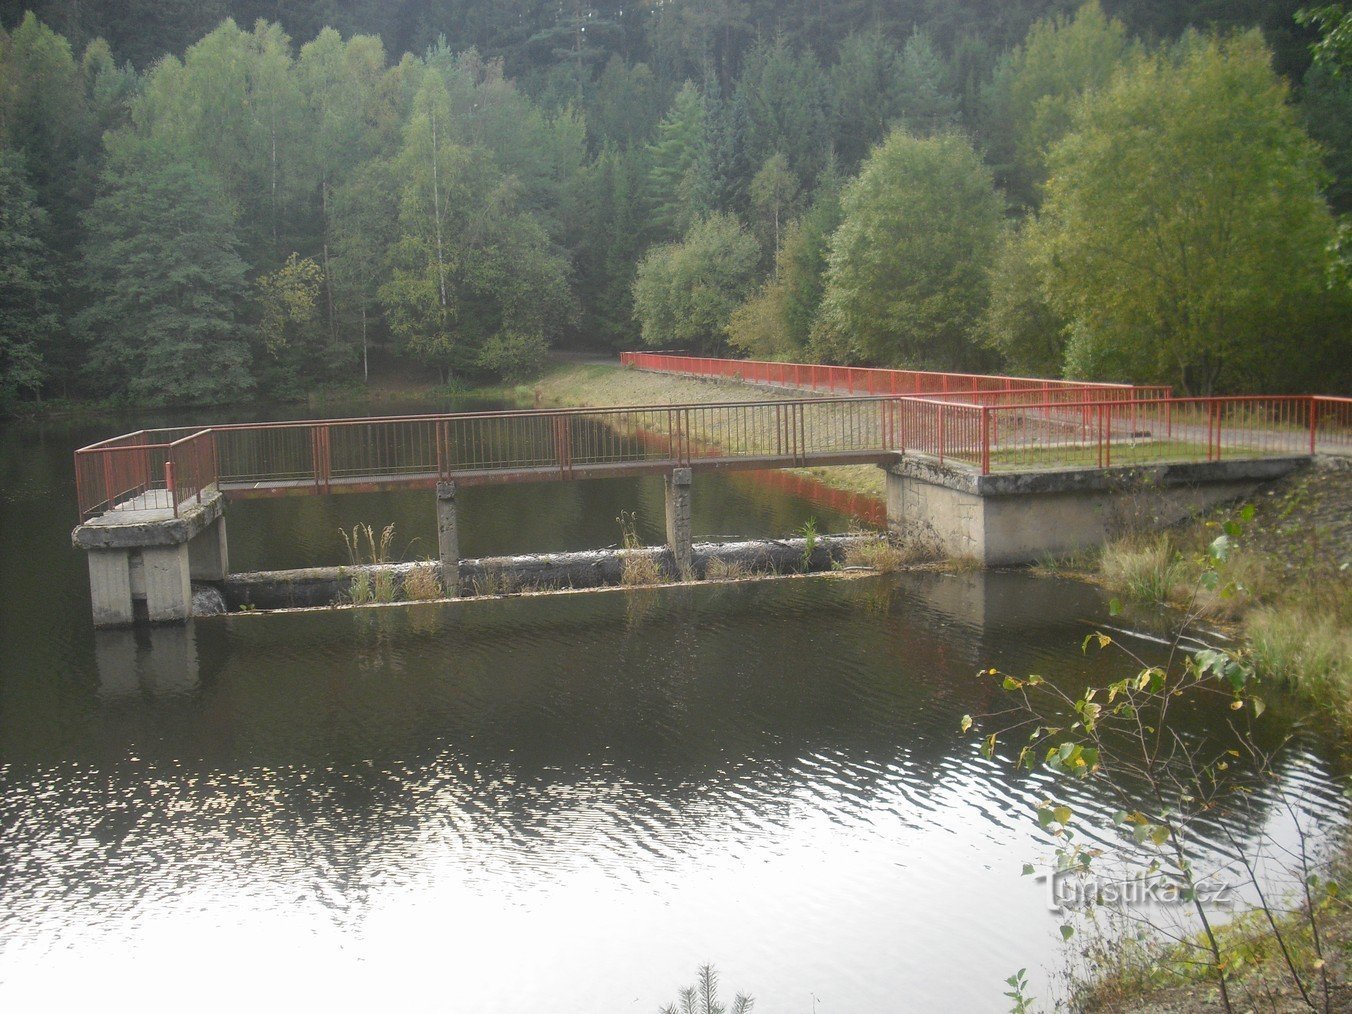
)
(1326, 108)
(1021, 1002)
(1334, 22)
(580, 138)
(774, 198)
(166, 284)
(926, 108)
(673, 158)
(1183, 236)
(784, 95)
(808, 530)
(685, 293)
(1032, 99)
(476, 283)
(909, 264)
(288, 298)
(1121, 735)
(866, 95)
(27, 316)
(1019, 322)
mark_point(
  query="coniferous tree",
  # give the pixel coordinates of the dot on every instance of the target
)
(674, 160)
(165, 280)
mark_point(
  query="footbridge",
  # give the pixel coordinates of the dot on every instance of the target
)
(152, 502)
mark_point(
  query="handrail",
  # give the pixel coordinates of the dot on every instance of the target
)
(319, 455)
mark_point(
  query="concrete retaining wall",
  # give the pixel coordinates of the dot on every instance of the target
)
(1015, 518)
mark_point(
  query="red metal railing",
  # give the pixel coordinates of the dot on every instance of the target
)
(872, 381)
(1330, 425)
(988, 435)
(1101, 434)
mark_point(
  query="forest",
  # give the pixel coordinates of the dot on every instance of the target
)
(208, 201)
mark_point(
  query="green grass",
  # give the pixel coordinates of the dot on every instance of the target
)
(1145, 452)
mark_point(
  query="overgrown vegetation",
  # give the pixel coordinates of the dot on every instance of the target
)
(882, 553)
(1291, 601)
(423, 583)
(637, 566)
(1168, 787)
(373, 582)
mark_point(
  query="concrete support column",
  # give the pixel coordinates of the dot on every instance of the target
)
(448, 538)
(678, 520)
(208, 553)
(168, 582)
(110, 587)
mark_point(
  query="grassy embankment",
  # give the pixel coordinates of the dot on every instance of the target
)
(1292, 566)
(1292, 615)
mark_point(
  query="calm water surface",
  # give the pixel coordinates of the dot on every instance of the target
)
(560, 804)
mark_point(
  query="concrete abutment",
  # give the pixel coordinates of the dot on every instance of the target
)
(143, 552)
(1006, 519)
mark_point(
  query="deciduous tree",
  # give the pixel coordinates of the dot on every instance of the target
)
(909, 264)
(685, 292)
(1184, 236)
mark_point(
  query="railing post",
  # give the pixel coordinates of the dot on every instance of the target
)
(940, 440)
(985, 440)
(1219, 407)
(107, 482)
(1314, 413)
(169, 486)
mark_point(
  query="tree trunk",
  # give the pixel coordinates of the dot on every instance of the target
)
(436, 213)
(328, 274)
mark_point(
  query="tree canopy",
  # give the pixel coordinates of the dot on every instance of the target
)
(909, 264)
(460, 186)
(1184, 237)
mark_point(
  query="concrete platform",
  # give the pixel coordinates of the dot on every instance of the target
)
(141, 555)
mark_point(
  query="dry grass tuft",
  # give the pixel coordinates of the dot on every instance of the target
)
(423, 583)
(636, 566)
(724, 570)
(1146, 570)
(882, 554)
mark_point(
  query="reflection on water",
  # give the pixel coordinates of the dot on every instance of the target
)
(561, 803)
(141, 661)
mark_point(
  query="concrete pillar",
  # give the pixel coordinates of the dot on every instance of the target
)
(142, 551)
(448, 538)
(678, 520)
(110, 587)
(208, 553)
(168, 582)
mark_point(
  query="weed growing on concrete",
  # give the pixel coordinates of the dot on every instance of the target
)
(421, 583)
(636, 566)
(724, 570)
(809, 533)
(880, 554)
(373, 553)
(360, 590)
